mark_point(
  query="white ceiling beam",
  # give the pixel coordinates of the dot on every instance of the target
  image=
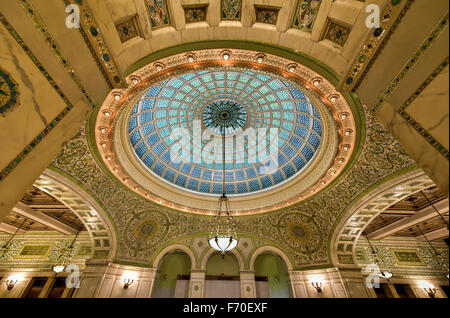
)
(42, 218)
(10, 229)
(435, 235)
(420, 216)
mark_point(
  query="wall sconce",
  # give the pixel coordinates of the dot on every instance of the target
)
(13, 281)
(317, 282)
(428, 288)
(276, 279)
(317, 285)
(128, 279)
(431, 291)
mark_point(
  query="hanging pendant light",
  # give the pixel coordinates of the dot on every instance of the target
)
(383, 273)
(436, 254)
(223, 238)
(5, 248)
(64, 257)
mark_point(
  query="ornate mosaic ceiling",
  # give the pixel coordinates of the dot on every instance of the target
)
(225, 101)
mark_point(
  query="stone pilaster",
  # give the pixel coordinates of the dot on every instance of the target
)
(248, 286)
(197, 284)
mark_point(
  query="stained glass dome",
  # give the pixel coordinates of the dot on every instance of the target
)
(233, 100)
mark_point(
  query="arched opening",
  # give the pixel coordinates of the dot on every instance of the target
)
(271, 277)
(222, 277)
(173, 277)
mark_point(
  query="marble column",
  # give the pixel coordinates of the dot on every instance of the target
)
(248, 286)
(197, 283)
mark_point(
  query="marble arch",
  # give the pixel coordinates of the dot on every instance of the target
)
(94, 217)
(355, 220)
(273, 250)
(174, 248)
(210, 251)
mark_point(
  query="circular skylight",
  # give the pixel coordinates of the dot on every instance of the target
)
(264, 116)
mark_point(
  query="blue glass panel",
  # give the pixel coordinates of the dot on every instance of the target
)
(148, 104)
(266, 182)
(186, 168)
(299, 163)
(141, 149)
(278, 177)
(207, 174)
(218, 176)
(288, 170)
(153, 139)
(168, 93)
(229, 188)
(197, 172)
(169, 175)
(181, 180)
(307, 152)
(148, 129)
(304, 120)
(242, 187)
(317, 127)
(148, 160)
(159, 149)
(254, 185)
(132, 124)
(205, 187)
(251, 173)
(145, 117)
(193, 184)
(217, 188)
(281, 159)
(154, 91)
(188, 76)
(301, 131)
(314, 141)
(135, 137)
(158, 168)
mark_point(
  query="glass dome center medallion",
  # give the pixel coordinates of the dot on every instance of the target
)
(224, 116)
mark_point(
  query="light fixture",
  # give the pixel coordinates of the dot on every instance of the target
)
(292, 67)
(436, 254)
(12, 281)
(428, 288)
(317, 282)
(7, 245)
(317, 285)
(223, 238)
(65, 255)
(430, 291)
(58, 268)
(383, 273)
(128, 279)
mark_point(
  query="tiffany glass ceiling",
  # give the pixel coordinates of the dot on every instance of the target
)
(230, 100)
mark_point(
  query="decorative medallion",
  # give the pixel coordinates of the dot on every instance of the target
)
(159, 15)
(195, 14)
(9, 93)
(231, 9)
(267, 15)
(128, 29)
(306, 14)
(337, 33)
(225, 116)
(301, 232)
(145, 230)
